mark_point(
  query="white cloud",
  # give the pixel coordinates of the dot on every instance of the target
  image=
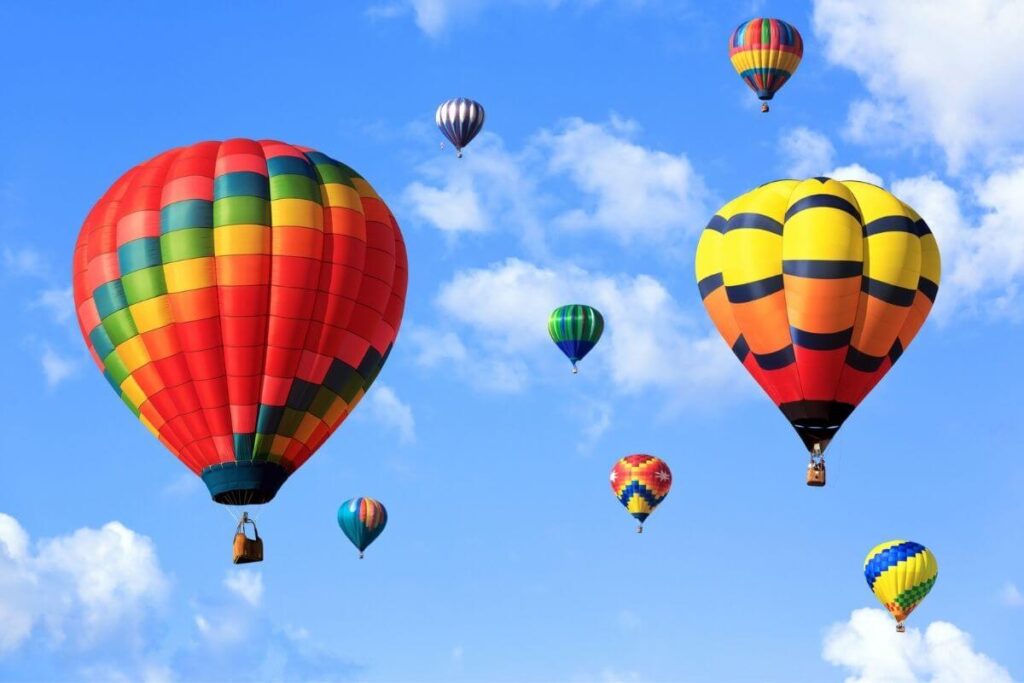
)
(648, 340)
(633, 192)
(1011, 595)
(388, 409)
(629, 192)
(869, 648)
(246, 584)
(807, 152)
(58, 301)
(597, 419)
(24, 262)
(56, 367)
(84, 586)
(983, 257)
(956, 88)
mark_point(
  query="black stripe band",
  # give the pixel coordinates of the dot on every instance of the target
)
(717, 224)
(741, 294)
(756, 221)
(776, 360)
(890, 294)
(821, 341)
(862, 361)
(895, 351)
(709, 284)
(741, 348)
(830, 201)
(890, 224)
(928, 288)
(833, 270)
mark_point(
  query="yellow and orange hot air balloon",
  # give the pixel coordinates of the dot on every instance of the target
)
(818, 286)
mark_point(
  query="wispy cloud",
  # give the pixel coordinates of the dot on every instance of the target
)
(1011, 595)
(25, 261)
(389, 410)
(57, 367)
(246, 584)
(58, 302)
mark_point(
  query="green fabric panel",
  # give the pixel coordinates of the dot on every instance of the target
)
(120, 327)
(182, 245)
(241, 211)
(290, 422)
(294, 187)
(332, 174)
(116, 368)
(144, 284)
(322, 402)
(131, 406)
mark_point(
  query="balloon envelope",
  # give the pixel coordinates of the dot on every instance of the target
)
(765, 53)
(362, 520)
(641, 482)
(900, 574)
(575, 329)
(240, 297)
(818, 286)
(460, 120)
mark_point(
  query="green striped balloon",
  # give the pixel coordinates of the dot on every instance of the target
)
(575, 329)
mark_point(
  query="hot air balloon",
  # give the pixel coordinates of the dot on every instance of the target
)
(818, 286)
(575, 328)
(362, 520)
(460, 120)
(765, 53)
(900, 574)
(240, 297)
(641, 482)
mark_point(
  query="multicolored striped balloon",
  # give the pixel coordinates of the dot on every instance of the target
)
(900, 574)
(765, 53)
(460, 120)
(362, 520)
(818, 286)
(240, 297)
(575, 328)
(641, 482)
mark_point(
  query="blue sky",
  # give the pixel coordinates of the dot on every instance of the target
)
(614, 130)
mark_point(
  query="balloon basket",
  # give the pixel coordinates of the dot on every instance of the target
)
(764, 108)
(247, 549)
(816, 468)
(900, 627)
(639, 528)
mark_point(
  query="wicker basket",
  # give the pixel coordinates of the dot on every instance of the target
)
(247, 549)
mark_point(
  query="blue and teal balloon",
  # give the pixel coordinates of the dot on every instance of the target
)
(575, 328)
(362, 520)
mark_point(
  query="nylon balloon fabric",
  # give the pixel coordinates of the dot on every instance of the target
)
(818, 286)
(640, 482)
(900, 574)
(460, 120)
(765, 53)
(240, 297)
(362, 520)
(575, 329)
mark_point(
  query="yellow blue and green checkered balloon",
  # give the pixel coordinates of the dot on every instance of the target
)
(575, 328)
(900, 574)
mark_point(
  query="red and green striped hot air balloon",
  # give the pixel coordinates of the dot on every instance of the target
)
(765, 53)
(240, 297)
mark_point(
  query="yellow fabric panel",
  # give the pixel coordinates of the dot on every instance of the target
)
(894, 258)
(151, 314)
(822, 232)
(708, 260)
(753, 255)
(931, 262)
(241, 239)
(134, 393)
(182, 276)
(297, 212)
(343, 196)
(133, 354)
(149, 425)
(637, 504)
(364, 188)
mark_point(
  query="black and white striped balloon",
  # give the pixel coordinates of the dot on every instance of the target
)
(460, 120)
